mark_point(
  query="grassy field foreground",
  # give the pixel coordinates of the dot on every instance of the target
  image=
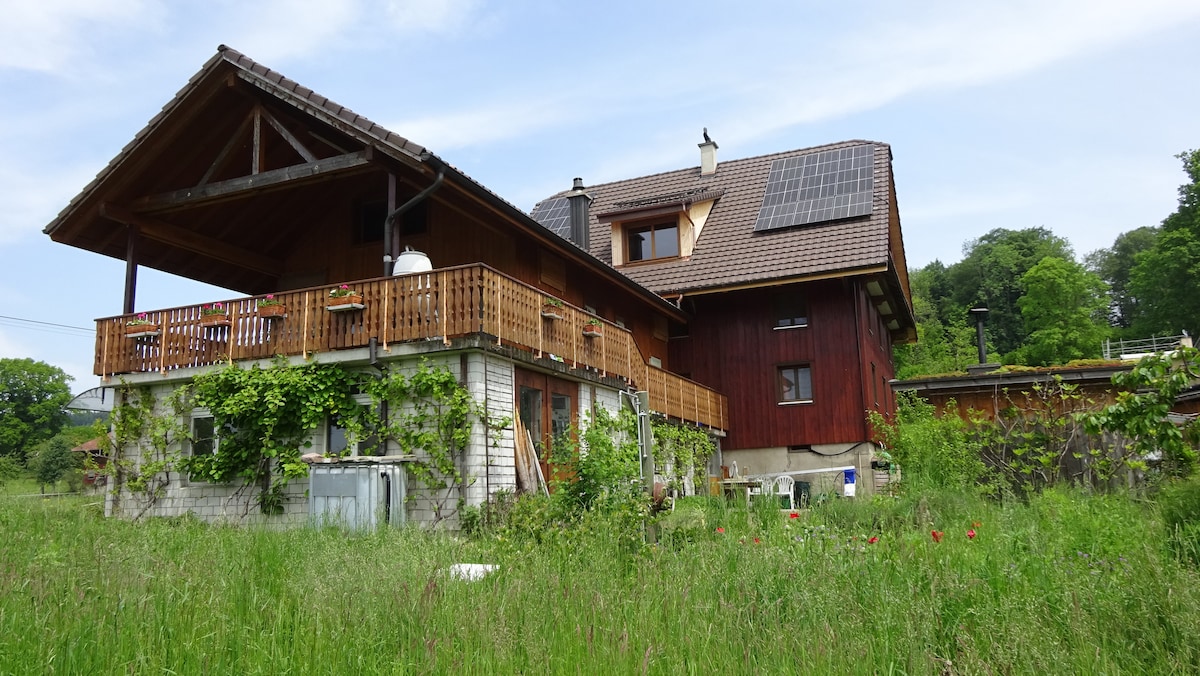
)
(1063, 584)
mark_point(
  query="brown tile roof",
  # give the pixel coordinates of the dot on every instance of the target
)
(729, 253)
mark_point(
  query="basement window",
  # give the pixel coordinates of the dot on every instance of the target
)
(660, 240)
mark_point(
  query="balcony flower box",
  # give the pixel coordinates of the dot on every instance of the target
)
(142, 331)
(213, 315)
(593, 329)
(552, 308)
(344, 298)
(270, 307)
(141, 327)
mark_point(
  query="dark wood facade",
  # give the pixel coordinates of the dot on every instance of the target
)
(734, 345)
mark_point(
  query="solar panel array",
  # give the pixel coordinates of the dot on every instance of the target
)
(818, 187)
(555, 215)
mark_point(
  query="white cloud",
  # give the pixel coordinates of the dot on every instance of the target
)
(431, 16)
(275, 31)
(957, 45)
(498, 122)
(32, 199)
(50, 35)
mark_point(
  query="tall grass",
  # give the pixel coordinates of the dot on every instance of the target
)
(1063, 583)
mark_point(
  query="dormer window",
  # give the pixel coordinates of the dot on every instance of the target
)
(658, 227)
(660, 240)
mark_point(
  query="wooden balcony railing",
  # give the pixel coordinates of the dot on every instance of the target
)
(439, 305)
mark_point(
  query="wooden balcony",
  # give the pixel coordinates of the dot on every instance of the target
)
(441, 305)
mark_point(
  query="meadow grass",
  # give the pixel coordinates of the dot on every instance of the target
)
(1063, 583)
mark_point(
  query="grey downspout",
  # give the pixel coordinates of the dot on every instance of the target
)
(389, 263)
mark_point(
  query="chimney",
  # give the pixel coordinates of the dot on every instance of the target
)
(980, 314)
(580, 202)
(708, 155)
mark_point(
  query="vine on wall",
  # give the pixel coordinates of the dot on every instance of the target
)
(135, 421)
(265, 417)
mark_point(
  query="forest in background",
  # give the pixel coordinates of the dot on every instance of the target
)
(1046, 306)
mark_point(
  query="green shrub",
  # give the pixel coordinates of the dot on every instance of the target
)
(933, 451)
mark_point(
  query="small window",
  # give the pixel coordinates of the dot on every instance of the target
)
(337, 441)
(204, 441)
(415, 221)
(652, 241)
(795, 384)
(368, 221)
(791, 311)
(204, 437)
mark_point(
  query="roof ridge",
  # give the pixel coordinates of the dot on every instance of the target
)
(752, 158)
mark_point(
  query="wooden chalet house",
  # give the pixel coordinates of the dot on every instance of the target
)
(791, 269)
(254, 183)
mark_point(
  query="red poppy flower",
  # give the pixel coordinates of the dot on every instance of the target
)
(757, 541)
(794, 515)
(976, 524)
(872, 540)
(720, 530)
(971, 534)
(937, 535)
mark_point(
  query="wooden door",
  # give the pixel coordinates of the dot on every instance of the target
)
(548, 409)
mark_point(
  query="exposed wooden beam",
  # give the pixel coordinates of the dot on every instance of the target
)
(169, 233)
(221, 156)
(287, 136)
(245, 186)
(318, 112)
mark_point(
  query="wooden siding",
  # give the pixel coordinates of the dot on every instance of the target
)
(443, 304)
(733, 347)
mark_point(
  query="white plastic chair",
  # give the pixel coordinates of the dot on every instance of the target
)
(783, 488)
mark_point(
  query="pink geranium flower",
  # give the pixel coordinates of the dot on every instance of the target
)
(971, 534)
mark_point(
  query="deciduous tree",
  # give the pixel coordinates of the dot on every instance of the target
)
(1166, 278)
(1063, 308)
(33, 395)
(990, 276)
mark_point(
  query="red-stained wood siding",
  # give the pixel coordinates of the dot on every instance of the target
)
(733, 347)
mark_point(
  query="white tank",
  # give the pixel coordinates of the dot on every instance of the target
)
(411, 261)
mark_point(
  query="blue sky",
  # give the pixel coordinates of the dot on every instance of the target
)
(1066, 115)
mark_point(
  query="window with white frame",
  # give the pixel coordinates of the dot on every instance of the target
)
(795, 384)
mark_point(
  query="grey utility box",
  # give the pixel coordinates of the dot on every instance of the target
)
(357, 494)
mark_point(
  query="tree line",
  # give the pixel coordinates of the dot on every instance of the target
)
(1047, 307)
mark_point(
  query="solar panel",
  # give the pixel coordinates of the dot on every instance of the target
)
(555, 215)
(818, 187)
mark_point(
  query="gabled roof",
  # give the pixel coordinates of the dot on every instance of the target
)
(213, 239)
(731, 254)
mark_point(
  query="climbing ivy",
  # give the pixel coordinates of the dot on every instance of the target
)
(430, 416)
(263, 417)
(134, 422)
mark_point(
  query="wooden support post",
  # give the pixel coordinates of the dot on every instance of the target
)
(131, 265)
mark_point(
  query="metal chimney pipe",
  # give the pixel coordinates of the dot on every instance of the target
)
(980, 314)
(580, 205)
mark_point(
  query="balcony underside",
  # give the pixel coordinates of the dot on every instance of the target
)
(443, 305)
